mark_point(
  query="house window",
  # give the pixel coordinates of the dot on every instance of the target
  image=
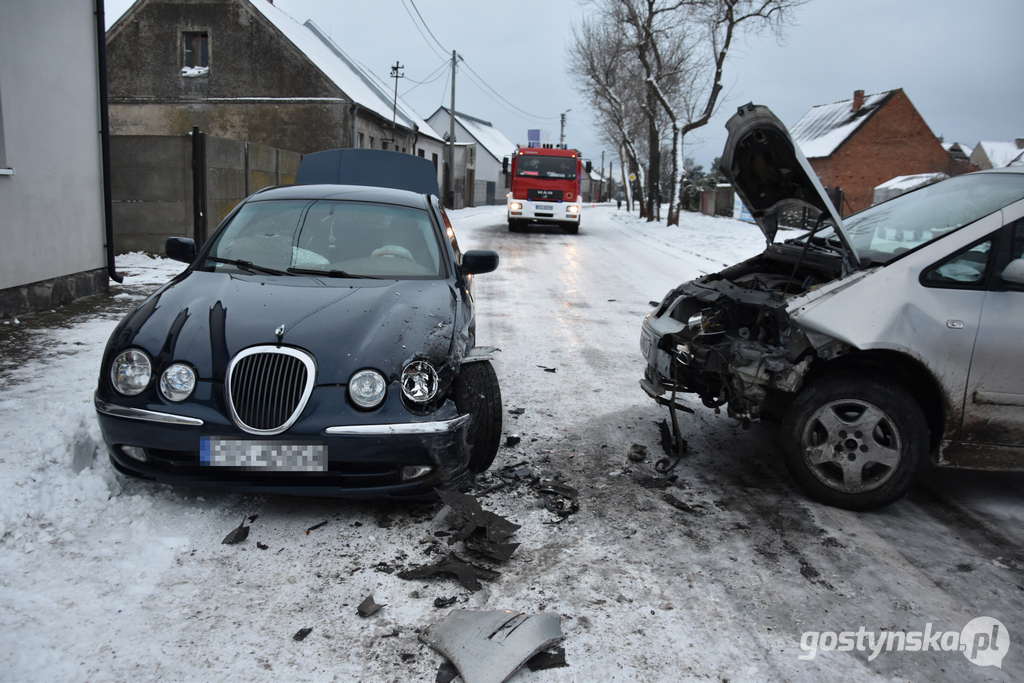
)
(383, 144)
(371, 142)
(421, 153)
(195, 53)
(434, 159)
(362, 141)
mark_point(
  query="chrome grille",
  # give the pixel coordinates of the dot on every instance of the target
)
(268, 386)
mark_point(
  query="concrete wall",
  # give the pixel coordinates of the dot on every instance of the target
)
(52, 212)
(153, 186)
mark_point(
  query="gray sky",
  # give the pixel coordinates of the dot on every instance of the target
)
(959, 62)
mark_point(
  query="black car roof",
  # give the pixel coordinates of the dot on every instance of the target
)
(372, 167)
(354, 193)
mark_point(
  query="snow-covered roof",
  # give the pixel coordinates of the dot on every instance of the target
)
(354, 79)
(910, 182)
(1000, 154)
(1018, 160)
(826, 126)
(485, 134)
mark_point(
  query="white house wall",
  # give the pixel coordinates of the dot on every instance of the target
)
(52, 212)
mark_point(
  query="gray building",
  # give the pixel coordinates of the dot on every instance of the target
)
(51, 179)
(492, 147)
(245, 70)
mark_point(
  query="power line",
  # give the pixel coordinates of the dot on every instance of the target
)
(523, 111)
(414, 23)
(413, 3)
(438, 71)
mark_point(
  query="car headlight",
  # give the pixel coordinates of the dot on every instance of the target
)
(131, 371)
(696, 322)
(419, 381)
(366, 388)
(573, 209)
(177, 382)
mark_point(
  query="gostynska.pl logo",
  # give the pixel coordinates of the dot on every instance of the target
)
(983, 641)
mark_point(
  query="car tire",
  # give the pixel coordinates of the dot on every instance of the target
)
(854, 442)
(477, 394)
(514, 225)
(573, 229)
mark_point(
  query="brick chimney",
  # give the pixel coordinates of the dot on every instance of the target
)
(858, 99)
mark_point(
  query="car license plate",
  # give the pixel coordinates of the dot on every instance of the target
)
(263, 456)
(545, 207)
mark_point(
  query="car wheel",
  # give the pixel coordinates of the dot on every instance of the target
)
(573, 229)
(854, 442)
(477, 393)
(513, 225)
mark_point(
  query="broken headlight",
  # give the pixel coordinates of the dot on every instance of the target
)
(419, 381)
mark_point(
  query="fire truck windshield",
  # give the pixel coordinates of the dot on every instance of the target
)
(554, 168)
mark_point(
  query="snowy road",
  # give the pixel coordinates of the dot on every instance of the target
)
(103, 578)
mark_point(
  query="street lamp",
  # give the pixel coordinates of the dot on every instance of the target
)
(561, 135)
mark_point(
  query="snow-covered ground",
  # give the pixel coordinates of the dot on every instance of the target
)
(105, 578)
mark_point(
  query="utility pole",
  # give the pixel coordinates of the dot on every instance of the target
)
(394, 109)
(561, 135)
(449, 178)
(600, 193)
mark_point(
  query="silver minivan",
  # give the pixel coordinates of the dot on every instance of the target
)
(878, 340)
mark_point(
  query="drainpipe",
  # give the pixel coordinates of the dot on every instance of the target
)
(108, 204)
(355, 115)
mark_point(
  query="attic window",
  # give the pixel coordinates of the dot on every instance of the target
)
(195, 54)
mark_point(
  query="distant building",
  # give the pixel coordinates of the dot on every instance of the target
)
(996, 154)
(857, 144)
(492, 147)
(245, 70)
(51, 173)
(905, 183)
(958, 151)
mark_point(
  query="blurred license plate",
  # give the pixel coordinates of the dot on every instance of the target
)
(263, 456)
(545, 207)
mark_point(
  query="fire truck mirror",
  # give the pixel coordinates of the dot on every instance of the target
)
(590, 167)
(504, 165)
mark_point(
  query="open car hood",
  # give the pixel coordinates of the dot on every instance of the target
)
(770, 174)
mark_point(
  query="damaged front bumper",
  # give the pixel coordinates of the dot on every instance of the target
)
(727, 344)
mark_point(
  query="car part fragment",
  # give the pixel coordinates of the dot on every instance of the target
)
(469, 575)
(489, 647)
(368, 606)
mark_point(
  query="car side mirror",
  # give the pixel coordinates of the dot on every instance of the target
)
(1014, 272)
(180, 249)
(476, 261)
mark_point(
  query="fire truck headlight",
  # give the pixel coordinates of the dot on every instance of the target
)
(516, 206)
(573, 209)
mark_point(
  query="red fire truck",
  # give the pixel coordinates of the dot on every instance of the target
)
(545, 188)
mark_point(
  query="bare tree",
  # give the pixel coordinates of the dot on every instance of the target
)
(714, 24)
(605, 66)
(680, 47)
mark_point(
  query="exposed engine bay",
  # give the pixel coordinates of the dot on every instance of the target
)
(729, 338)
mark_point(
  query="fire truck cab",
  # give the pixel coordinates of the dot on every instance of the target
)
(545, 188)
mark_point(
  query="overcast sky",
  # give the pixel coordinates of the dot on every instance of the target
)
(958, 61)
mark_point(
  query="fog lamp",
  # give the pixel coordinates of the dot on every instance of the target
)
(415, 471)
(134, 452)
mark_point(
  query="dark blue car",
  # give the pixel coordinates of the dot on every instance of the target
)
(322, 342)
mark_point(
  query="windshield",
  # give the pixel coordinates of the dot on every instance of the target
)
(555, 168)
(330, 237)
(883, 232)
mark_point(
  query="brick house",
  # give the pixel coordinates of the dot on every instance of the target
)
(857, 144)
(245, 70)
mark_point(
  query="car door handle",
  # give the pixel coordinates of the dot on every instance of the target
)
(955, 324)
